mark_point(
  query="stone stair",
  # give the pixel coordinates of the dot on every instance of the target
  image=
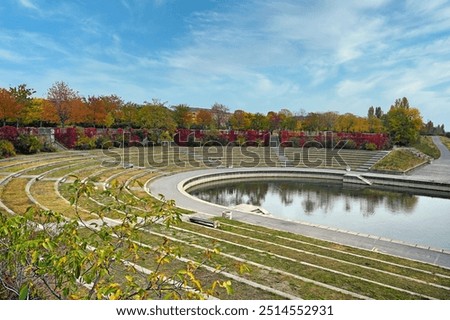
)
(283, 160)
(369, 164)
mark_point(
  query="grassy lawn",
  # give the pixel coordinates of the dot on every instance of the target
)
(446, 141)
(427, 146)
(44, 193)
(399, 160)
(14, 196)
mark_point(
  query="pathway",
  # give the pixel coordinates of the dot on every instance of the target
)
(439, 169)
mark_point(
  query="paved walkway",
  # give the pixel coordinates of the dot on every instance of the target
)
(439, 170)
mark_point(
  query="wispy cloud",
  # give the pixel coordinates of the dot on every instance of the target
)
(29, 4)
(10, 56)
(159, 3)
(255, 55)
(321, 55)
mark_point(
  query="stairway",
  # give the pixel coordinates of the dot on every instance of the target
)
(275, 149)
(369, 164)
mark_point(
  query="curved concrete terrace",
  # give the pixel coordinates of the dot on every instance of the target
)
(172, 186)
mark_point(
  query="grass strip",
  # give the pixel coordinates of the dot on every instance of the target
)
(242, 290)
(314, 260)
(427, 146)
(345, 249)
(272, 278)
(340, 252)
(298, 267)
(446, 142)
(14, 196)
(398, 160)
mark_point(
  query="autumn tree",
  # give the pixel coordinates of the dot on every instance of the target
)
(102, 110)
(204, 119)
(127, 115)
(34, 112)
(328, 120)
(240, 120)
(374, 123)
(182, 116)
(62, 97)
(220, 115)
(274, 120)
(312, 121)
(7, 105)
(361, 125)
(49, 112)
(23, 98)
(112, 104)
(403, 123)
(346, 122)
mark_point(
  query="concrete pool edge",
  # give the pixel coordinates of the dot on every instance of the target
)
(174, 186)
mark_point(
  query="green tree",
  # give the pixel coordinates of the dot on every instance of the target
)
(158, 119)
(378, 112)
(287, 120)
(328, 120)
(109, 120)
(375, 125)
(45, 255)
(371, 112)
(403, 123)
(313, 121)
(127, 115)
(258, 121)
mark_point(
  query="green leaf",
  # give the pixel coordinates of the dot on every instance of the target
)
(228, 287)
(23, 294)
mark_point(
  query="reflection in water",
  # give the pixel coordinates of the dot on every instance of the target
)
(314, 196)
(387, 213)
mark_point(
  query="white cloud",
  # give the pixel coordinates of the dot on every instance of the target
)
(160, 3)
(28, 4)
(10, 56)
(318, 55)
(350, 88)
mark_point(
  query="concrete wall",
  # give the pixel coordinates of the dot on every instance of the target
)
(401, 183)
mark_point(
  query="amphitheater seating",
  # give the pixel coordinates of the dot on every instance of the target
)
(297, 266)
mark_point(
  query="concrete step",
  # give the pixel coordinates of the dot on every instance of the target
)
(372, 161)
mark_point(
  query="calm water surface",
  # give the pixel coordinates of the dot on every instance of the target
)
(392, 214)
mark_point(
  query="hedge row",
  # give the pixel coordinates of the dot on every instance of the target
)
(21, 140)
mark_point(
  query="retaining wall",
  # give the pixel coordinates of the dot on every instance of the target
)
(442, 189)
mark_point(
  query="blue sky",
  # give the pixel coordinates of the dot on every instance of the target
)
(256, 55)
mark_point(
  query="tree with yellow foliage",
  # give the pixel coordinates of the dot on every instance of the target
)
(403, 123)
